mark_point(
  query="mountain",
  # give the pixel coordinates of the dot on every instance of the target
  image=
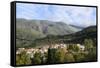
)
(42, 28)
(29, 30)
(78, 27)
(87, 33)
(30, 33)
(78, 37)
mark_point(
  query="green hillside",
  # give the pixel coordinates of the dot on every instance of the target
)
(78, 37)
(31, 32)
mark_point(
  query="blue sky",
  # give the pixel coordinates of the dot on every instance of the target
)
(81, 16)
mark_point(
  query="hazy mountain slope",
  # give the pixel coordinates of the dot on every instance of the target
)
(78, 27)
(45, 27)
(78, 37)
(28, 30)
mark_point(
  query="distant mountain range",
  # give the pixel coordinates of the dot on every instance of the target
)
(30, 30)
(79, 27)
(43, 27)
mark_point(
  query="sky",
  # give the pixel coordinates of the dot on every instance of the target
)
(75, 15)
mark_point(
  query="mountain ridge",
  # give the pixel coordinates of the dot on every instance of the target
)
(28, 31)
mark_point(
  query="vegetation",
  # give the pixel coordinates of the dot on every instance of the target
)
(69, 57)
(57, 56)
(23, 59)
(73, 47)
(37, 58)
(29, 30)
(88, 44)
(36, 35)
(60, 55)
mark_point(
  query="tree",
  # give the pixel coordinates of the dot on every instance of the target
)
(69, 57)
(76, 48)
(56, 55)
(23, 59)
(79, 57)
(92, 55)
(88, 44)
(37, 58)
(44, 58)
(73, 47)
(59, 56)
(51, 55)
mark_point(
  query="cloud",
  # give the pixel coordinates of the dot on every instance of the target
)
(82, 16)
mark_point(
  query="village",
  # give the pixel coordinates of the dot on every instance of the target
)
(44, 49)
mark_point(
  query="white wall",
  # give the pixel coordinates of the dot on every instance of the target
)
(5, 34)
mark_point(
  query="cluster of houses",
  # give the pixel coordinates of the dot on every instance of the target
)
(32, 51)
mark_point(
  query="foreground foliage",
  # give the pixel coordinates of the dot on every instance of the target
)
(60, 55)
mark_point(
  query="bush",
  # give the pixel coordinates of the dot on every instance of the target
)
(79, 57)
(88, 44)
(69, 58)
(37, 58)
(23, 59)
